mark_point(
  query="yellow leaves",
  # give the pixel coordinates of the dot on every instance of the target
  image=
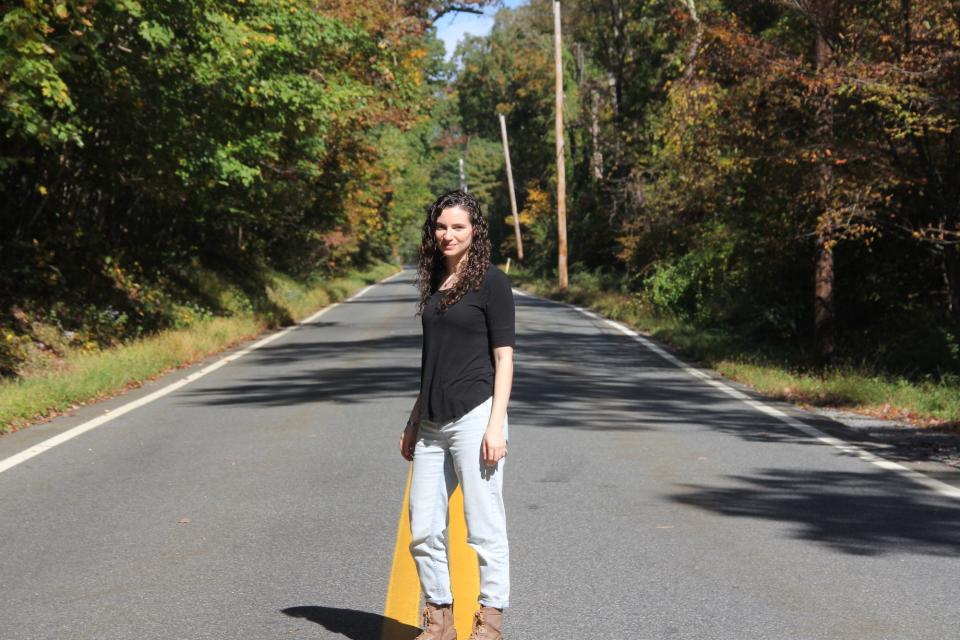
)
(42, 190)
(537, 205)
(61, 11)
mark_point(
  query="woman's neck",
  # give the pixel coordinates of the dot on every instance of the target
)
(455, 264)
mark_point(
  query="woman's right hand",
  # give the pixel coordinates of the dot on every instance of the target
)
(408, 441)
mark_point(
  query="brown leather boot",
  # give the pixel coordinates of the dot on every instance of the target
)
(487, 623)
(437, 622)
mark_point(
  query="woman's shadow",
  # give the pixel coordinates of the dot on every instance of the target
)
(356, 625)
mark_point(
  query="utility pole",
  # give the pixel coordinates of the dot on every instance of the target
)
(561, 172)
(463, 178)
(513, 196)
(597, 159)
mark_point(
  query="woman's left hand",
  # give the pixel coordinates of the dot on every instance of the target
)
(494, 447)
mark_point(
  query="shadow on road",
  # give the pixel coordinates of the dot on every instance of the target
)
(317, 346)
(603, 382)
(864, 514)
(341, 385)
(356, 625)
(312, 368)
(569, 375)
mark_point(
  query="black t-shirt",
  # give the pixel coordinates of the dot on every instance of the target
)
(457, 363)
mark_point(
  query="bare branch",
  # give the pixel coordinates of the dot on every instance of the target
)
(459, 8)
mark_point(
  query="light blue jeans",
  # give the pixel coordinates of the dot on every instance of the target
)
(445, 455)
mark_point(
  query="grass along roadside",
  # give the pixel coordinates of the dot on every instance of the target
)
(778, 374)
(85, 377)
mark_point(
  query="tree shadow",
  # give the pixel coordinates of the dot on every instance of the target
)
(356, 625)
(865, 514)
(566, 365)
(314, 375)
(899, 443)
(386, 300)
(346, 385)
(572, 373)
(574, 377)
(327, 347)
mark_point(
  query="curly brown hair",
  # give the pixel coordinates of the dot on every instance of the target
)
(432, 266)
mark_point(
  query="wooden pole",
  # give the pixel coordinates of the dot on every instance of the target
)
(513, 196)
(561, 172)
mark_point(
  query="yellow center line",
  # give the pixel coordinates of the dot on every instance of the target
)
(403, 590)
(402, 606)
(464, 568)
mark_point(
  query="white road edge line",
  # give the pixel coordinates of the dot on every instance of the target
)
(933, 484)
(49, 443)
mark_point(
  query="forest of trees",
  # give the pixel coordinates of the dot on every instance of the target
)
(785, 169)
(146, 141)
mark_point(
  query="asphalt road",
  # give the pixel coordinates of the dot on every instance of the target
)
(261, 501)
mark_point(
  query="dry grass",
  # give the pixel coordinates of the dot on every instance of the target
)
(80, 377)
(772, 372)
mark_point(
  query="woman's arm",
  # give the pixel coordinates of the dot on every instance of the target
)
(408, 439)
(494, 445)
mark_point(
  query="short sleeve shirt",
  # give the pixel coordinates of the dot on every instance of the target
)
(457, 363)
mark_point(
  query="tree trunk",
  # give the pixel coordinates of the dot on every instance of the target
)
(597, 157)
(694, 47)
(824, 320)
(951, 278)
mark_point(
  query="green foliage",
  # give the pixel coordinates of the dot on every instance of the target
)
(142, 136)
(696, 284)
(707, 157)
(39, 41)
(710, 155)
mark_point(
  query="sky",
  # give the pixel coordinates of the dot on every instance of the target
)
(453, 26)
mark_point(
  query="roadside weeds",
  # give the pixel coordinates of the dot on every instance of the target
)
(925, 404)
(86, 377)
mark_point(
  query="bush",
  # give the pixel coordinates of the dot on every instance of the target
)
(695, 285)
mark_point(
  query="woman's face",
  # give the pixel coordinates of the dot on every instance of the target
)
(453, 232)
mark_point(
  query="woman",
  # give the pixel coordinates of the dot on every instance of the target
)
(457, 431)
